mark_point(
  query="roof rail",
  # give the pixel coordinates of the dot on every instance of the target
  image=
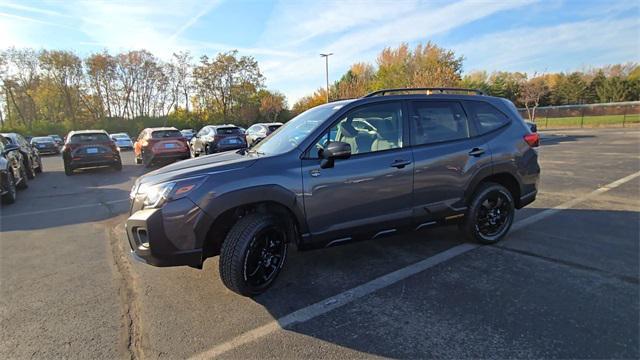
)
(440, 90)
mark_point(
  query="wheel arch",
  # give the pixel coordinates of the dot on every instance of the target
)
(508, 180)
(268, 199)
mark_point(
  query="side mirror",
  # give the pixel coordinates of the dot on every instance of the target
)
(10, 147)
(335, 150)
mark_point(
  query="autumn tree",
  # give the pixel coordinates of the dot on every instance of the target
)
(271, 104)
(531, 93)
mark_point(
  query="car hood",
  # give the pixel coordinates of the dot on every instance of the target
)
(208, 164)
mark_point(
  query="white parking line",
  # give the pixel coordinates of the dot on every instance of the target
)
(320, 308)
(63, 208)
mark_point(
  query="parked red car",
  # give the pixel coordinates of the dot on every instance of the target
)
(89, 148)
(160, 144)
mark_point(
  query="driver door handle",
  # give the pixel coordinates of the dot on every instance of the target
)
(400, 163)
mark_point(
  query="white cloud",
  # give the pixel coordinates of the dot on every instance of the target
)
(555, 48)
(368, 37)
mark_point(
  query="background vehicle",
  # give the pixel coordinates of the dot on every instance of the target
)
(188, 133)
(30, 155)
(160, 144)
(13, 174)
(123, 141)
(90, 148)
(257, 132)
(45, 145)
(58, 139)
(319, 181)
(212, 139)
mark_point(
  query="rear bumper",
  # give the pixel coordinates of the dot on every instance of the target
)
(91, 161)
(167, 236)
(171, 155)
(220, 148)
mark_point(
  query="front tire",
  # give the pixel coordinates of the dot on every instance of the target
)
(12, 194)
(490, 214)
(68, 170)
(253, 254)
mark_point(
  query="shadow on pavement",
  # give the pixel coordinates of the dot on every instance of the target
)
(554, 139)
(547, 291)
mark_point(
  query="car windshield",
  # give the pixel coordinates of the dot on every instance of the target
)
(89, 138)
(42, 139)
(165, 134)
(291, 134)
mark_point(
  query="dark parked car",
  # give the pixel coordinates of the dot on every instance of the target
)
(58, 139)
(160, 144)
(188, 133)
(30, 155)
(89, 148)
(319, 181)
(123, 141)
(45, 145)
(257, 132)
(13, 174)
(213, 139)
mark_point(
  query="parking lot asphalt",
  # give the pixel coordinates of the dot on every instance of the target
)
(564, 284)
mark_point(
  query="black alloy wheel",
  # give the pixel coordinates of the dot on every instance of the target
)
(489, 215)
(253, 254)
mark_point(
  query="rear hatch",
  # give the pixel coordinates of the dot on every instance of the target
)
(91, 146)
(168, 141)
(230, 136)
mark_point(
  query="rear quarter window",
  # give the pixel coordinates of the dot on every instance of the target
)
(89, 138)
(159, 134)
(486, 116)
(273, 128)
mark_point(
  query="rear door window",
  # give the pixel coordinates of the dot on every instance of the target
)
(159, 134)
(273, 128)
(88, 138)
(486, 116)
(438, 121)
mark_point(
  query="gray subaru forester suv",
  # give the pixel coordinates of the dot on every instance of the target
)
(345, 171)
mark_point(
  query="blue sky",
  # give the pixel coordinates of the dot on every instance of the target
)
(287, 36)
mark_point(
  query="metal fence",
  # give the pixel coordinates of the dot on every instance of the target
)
(620, 114)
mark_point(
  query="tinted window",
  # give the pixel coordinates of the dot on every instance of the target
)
(228, 131)
(273, 128)
(158, 134)
(488, 118)
(85, 138)
(42, 139)
(438, 121)
(356, 129)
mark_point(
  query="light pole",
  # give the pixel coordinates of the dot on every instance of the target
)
(326, 67)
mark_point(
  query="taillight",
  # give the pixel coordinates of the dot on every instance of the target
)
(70, 147)
(532, 139)
(113, 146)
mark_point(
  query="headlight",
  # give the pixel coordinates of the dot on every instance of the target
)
(156, 195)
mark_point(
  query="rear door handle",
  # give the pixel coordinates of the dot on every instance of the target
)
(400, 163)
(476, 152)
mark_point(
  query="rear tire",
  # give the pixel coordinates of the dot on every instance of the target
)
(146, 159)
(253, 254)
(39, 169)
(138, 160)
(11, 195)
(490, 214)
(68, 169)
(23, 183)
(117, 166)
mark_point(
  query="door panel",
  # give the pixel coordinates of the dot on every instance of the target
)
(447, 156)
(368, 194)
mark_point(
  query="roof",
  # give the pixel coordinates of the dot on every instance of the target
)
(163, 128)
(74, 132)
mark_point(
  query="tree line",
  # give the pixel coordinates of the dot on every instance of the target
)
(54, 91)
(432, 66)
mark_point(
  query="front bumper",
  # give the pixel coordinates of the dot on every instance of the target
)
(169, 236)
